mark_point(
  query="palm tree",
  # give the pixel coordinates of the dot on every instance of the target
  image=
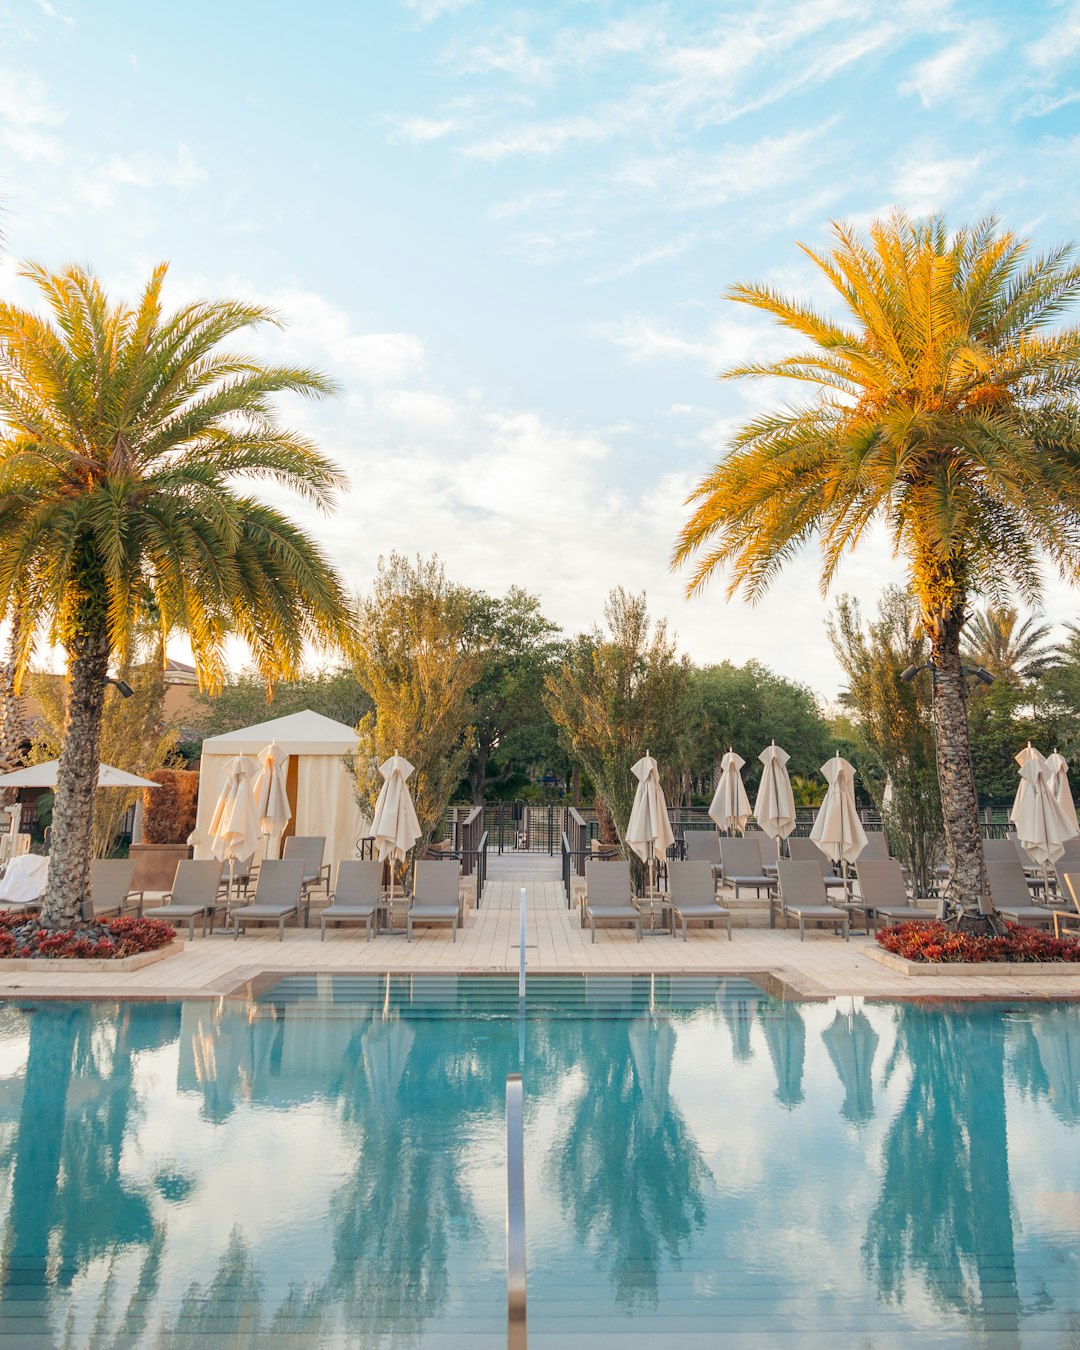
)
(944, 410)
(1010, 649)
(125, 436)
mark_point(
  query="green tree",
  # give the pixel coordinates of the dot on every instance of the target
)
(617, 695)
(126, 435)
(417, 660)
(243, 699)
(1058, 691)
(894, 718)
(1009, 647)
(747, 707)
(520, 647)
(945, 411)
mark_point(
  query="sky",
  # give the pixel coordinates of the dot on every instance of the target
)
(507, 231)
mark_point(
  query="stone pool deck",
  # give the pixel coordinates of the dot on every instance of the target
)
(822, 966)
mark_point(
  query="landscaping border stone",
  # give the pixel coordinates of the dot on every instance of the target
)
(92, 963)
(1021, 969)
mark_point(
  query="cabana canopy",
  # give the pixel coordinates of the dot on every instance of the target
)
(319, 784)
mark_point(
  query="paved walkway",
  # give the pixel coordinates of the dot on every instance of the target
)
(555, 943)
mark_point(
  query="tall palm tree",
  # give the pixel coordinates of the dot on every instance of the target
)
(944, 409)
(126, 435)
(1009, 648)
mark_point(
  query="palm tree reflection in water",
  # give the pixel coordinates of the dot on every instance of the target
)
(630, 1173)
(944, 1213)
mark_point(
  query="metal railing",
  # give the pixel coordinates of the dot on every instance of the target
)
(516, 1272)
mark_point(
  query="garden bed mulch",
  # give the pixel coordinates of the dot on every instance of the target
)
(934, 949)
(123, 943)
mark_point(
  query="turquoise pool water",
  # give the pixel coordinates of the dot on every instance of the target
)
(706, 1167)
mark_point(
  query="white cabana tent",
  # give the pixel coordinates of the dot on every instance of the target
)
(319, 785)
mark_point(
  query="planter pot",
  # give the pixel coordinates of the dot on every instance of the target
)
(155, 865)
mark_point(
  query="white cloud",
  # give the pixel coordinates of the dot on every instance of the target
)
(951, 72)
(645, 259)
(100, 185)
(1058, 45)
(422, 130)
(427, 11)
(25, 100)
(53, 13)
(724, 344)
(923, 185)
(31, 145)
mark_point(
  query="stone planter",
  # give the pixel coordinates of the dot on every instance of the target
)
(1013, 969)
(155, 865)
(93, 964)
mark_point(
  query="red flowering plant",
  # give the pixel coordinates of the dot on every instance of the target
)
(113, 939)
(935, 942)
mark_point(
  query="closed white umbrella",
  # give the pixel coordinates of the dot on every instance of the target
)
(272, 796)
(395, 825)
(774, 809)
(44, 776)
(649, 831)
(837, 829)
(234, 827)
(1057, 769)
(730, 806)
(1041, 825)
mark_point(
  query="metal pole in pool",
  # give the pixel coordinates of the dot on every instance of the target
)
(521, 950)
(516, 1323)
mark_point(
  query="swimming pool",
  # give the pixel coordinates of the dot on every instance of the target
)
(706, 1167)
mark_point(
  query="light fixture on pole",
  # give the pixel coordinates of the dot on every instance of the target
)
(122, 687)
(976, 672)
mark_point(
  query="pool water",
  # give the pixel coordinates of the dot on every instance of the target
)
(706, 1167)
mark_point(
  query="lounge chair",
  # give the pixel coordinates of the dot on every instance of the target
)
(742, 866)
(803, 896)
(110, 888)
(436, 896)
(877, 847)
(279, 895)
(195, 895)
(355, 898)
(702, 846)
(1011, 895)
(805, 850)
(609, 895)
(1065, 921)
(884, 893)
(692, 895)
(1000, 850)
(309, 847)
(767, 850)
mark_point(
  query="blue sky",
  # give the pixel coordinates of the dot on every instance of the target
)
(507, 231)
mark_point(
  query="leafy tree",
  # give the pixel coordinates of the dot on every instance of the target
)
(944, 409)
(520, 648)
(126, 435)
(243, 700)
(895, 720)
(1058, 690)
(747, 707)
(133, 736)
(617, 695)
(1009, 648)
(417, 660)
(1003, 720)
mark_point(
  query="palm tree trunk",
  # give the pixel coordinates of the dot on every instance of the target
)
(73, 811)
(11, 713)
(965, 890)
